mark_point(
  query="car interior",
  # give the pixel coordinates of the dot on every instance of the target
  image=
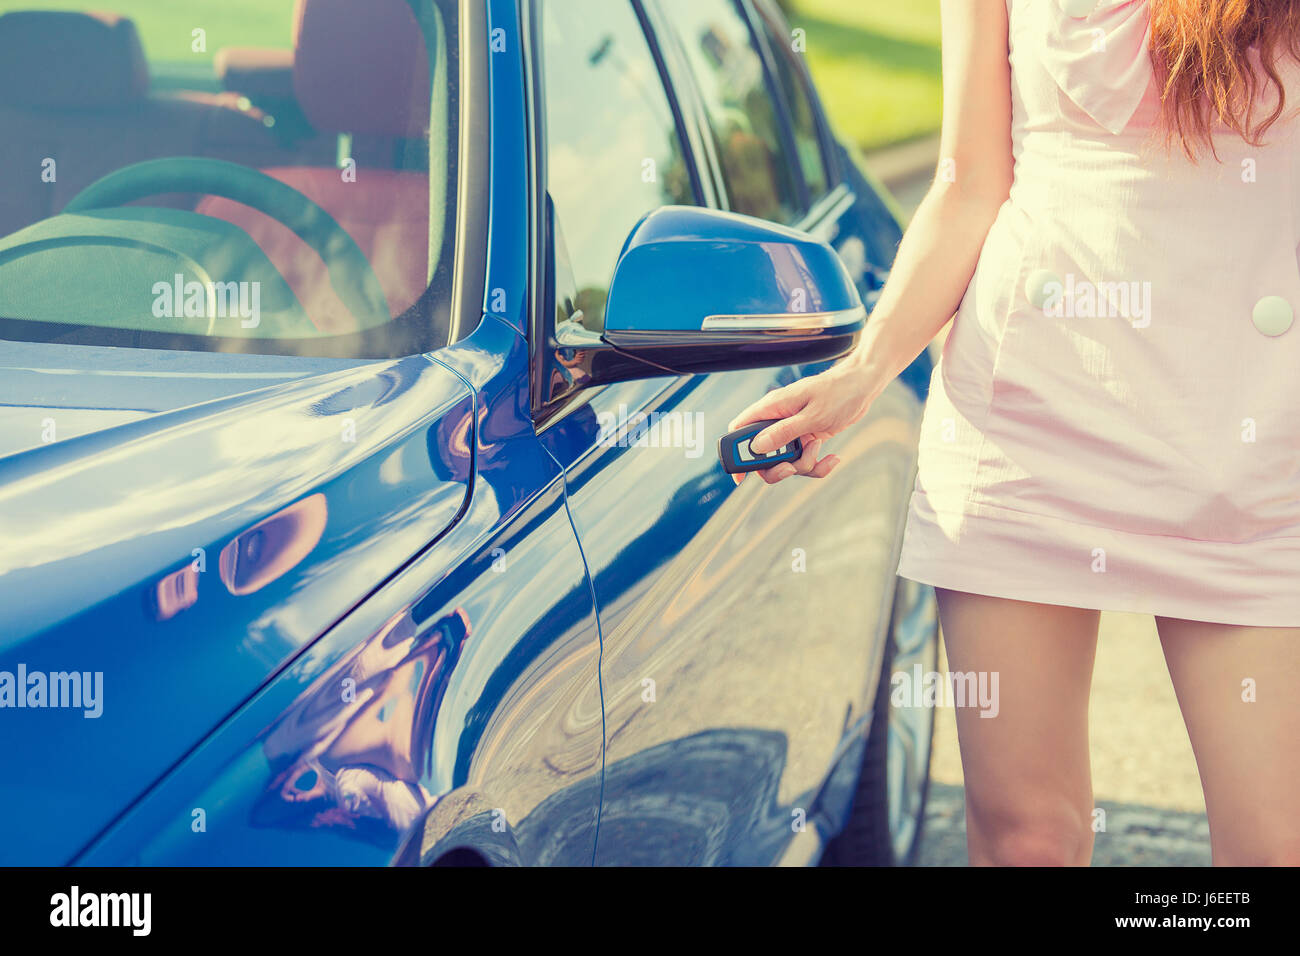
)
(340, 112)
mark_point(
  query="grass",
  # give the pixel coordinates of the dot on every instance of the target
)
(876, 64)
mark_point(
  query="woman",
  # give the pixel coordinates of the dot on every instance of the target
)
(1115, 421)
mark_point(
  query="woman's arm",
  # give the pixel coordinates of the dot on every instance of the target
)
(937, 256)
(939, 252)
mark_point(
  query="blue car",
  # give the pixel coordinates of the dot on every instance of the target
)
(362, 369)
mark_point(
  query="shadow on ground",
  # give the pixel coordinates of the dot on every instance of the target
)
(1135, 835)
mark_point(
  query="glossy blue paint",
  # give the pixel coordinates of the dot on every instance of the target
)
(739, 623)
(474, 692)
(326, 485)
(422, 623)
(426, 746)
(683, 265)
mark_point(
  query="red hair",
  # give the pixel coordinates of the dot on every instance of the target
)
(1202, 54)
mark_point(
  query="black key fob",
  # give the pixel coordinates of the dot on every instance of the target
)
(737, 457)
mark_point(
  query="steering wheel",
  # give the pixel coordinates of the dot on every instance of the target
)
(349, 270)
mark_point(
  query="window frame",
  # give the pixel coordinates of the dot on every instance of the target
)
(541, 319)
(684, 78)
(474, 182)
(764, 19)
(821, 220)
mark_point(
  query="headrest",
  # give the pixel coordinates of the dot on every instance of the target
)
(64, 60)
(260, 72)
(361, 66)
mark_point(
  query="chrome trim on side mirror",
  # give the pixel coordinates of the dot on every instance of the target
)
(788, 322)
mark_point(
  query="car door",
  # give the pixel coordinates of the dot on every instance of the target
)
(739, 625)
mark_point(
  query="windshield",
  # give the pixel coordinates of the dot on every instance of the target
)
(270, 176)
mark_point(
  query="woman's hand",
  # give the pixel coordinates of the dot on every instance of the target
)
(811, 409)
(936, 259)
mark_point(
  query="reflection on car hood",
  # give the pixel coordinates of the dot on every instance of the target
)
(51, 392)
(177, 540)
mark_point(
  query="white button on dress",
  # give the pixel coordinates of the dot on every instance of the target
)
(1040, 285)
(1273, 315)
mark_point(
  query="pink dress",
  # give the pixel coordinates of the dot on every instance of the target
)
(1115, 420)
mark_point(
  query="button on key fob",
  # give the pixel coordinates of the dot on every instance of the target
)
(737, 457)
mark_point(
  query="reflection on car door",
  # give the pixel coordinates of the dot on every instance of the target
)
(737, 622)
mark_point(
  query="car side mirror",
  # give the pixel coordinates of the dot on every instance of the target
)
(696, 290)
(699, 290)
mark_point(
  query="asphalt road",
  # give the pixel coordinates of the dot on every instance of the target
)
(1144, 773)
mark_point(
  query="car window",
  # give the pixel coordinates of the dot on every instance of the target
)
(612, 148)
(758, 174)
(271, 176)
(799, 107)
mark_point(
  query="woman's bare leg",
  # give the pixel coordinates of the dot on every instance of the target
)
(1028, 778)
(1247, 750)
